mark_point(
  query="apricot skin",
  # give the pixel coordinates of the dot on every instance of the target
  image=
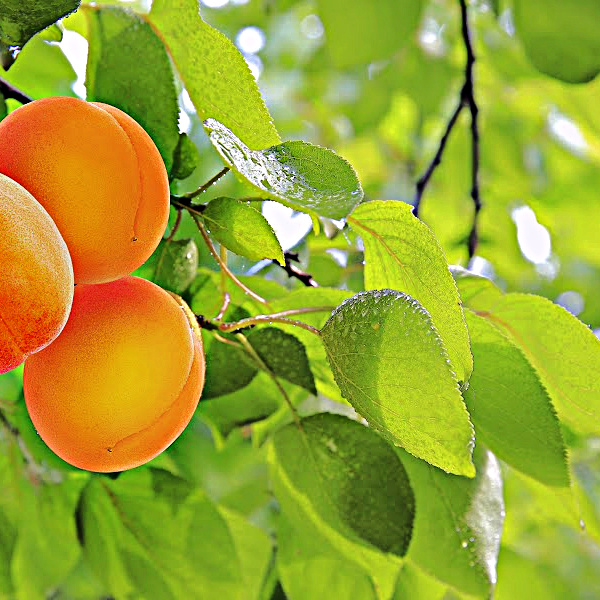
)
(36, 276)
(122, 380)
(99, 176)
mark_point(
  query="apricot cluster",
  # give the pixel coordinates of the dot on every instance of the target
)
(113, 369)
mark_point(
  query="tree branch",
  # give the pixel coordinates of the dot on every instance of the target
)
(10, 91)
(186, 198)
(466, 100)
(295, 272)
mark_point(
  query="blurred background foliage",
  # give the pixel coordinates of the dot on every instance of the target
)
(199, 520)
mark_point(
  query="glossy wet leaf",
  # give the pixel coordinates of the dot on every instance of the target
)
(458, 523)
(510, 408)
(402, 253)
(390, 364)
(122, 42)
(565, 353)
(21, 19)
(302, 176)
(561, 38)
(176, 264)
(284, 354)
(242, 229)
(214, 72)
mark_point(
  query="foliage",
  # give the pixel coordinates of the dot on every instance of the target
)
(375, 423)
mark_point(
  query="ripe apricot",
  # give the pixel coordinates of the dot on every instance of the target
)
(99, 176)
(36, 276)
(121, 381)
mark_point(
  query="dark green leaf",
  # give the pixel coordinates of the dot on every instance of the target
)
(285, 356)
(510, 408)
(214, 72)
(176, 264)
(561, 38)
(390, 364)
(402, 253)
(3, 107)
(242, 229)
(357, 33)
(565, 353)
(302, 176)
(21, 19)
(334, 464)
(458, 523)
(185, 158)
(128, 67)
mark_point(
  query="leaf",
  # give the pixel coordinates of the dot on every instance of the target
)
(565, 353)
(357, 34)
(414, 584)
(176, 264)
(8, 534)
(324, 476)
(285, 356)
(510, 408)
(309, 567)
(185, 158)
(242, 229)
(458, 523)
(128, 67)
(302, 176)
(3, 107)
(214, 72)
(21, 19)
(561, 38)
(476, 292)
(390, 364)
(402, 253)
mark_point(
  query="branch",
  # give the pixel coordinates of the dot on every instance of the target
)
(10, 91)
(466, 100)
(186, 198)
(295, 272)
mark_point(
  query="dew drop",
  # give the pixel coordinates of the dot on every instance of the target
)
(464, 543)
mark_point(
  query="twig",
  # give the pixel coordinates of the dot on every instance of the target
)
(226, 301)
(10, 91)
(279, 317)
(295, 272)
(468, 95)
(259, 361)
(175, 226)
(223, 266)
(204, 187)
(466, 100)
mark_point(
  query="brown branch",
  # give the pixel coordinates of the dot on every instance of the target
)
(8, 90)
(186, 198)
(295, 272)
(466, 100)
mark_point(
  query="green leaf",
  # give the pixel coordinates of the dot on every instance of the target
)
(185, 158)
(458, 523)
(414, 584)
(561, 38)
(565, 353)
(3, 107)
(476, 292)
(510, 408)
(176, 264)
(46, 548)
(342, 462)
(302, 176)
(323, 477)
(309, 567)
(402, 253)
(358, 34)
(285, 356)
(8, 534)
(21, 19)
(128, 67)
(242, 229)
(389, 362)
(214, 72)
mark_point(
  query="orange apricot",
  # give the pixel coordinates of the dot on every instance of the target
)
(122, 380)
(99, 176)
(36, 276)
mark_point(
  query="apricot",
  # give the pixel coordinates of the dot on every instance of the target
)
(36, 276)
(99, 176)
(122, 380)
